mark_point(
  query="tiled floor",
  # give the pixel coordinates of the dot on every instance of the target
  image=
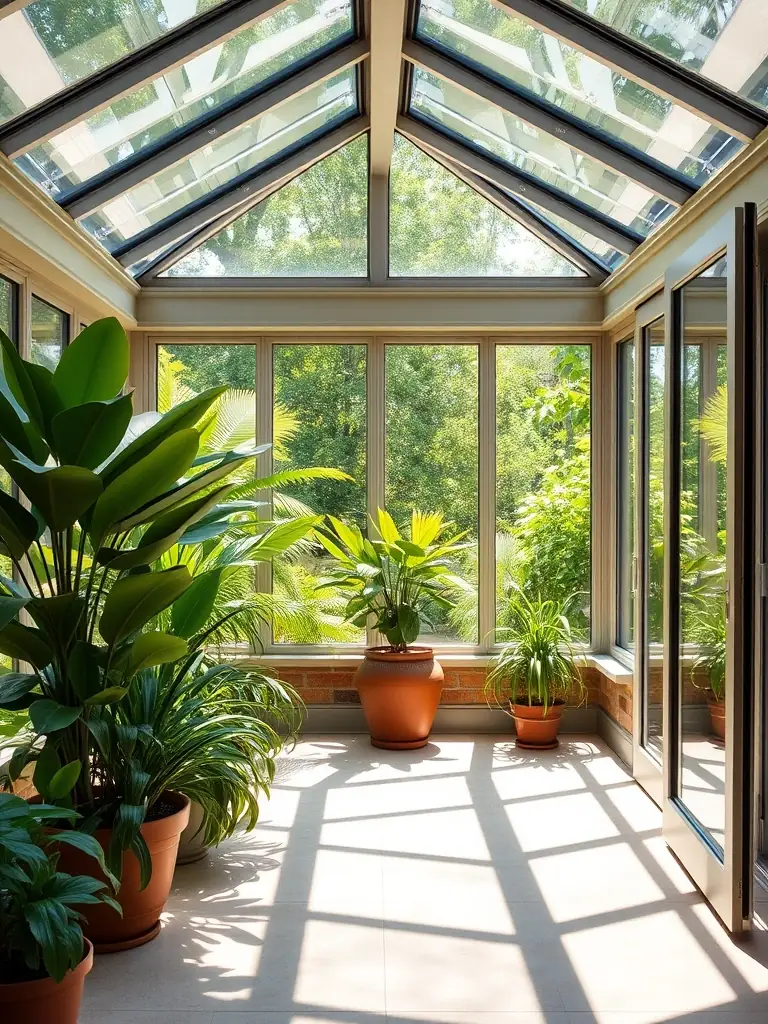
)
(467, 883)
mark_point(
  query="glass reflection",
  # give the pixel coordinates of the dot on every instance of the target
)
(702, 611)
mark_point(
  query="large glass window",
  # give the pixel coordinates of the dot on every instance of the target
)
(49, 330)
(252, 144)
(625, 519)
(316, 226)
(543, 472)
(432, 458)
(318, 420)
(156, 110)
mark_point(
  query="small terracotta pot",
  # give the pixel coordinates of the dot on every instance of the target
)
(399, 694)
(535, 730)
(192, 845)
(142, 908)
(717, 716)
(46, 1001)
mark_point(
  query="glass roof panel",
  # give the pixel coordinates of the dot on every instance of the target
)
(51, 44)
(489, 129)
(315, 226)
(525, 56)
(611, 257)
(152, 112)
(255, 143)
(440, 227)
(724, 40)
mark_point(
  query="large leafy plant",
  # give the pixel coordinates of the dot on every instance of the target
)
(40, 929)
(537, 665)
(108, 494)
(395, 580)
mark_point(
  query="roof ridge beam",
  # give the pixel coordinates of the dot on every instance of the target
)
(643, 170)
(129, 173)
(507, 178)
(387, 22)
(700, 95)
(103, 87)
(241, 194)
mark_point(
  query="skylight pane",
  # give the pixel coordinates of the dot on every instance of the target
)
(52, 44)
(489, 129)
(440, 227)
(576, 83)
(316, 226)
(152, 112)
(611, 257)
(241, 150)
(724, 40)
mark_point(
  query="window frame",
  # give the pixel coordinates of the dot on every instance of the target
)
(625, 469)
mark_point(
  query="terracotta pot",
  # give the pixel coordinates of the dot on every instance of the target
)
(192, 845)
(535, 730)
(142, 908)
(717, 716)
(399, 694)
(46, 1001)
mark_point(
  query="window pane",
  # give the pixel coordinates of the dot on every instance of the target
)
(626, 497)
(441, 227)
(49, 332)
(239, 151)
(8, 308)
(724, 40)
(543, 499)
(316, 226)
(491, 130)
(52, 44)
(319, 419)
(611, 257)
(576, 83)
(160, 108)
(432, 457)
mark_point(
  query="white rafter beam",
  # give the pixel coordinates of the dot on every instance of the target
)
(387, 21)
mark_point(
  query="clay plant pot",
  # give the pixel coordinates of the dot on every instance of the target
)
(717, 716)
(46, 1001)
(535, 730)
(192, 845)
(142, 908)
(399, 694)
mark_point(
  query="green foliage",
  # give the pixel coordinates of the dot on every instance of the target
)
(393, 581)
(537, 664)
(40, 931)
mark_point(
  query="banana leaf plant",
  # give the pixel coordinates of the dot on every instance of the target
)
(101, 495)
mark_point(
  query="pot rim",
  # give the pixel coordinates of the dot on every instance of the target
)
(172, 796)
(17, 991)
(415, 653)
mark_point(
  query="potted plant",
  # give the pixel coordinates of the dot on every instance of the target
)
(535, 673)
(393, 583)
(43, 956)
(709, 634)
(109, 493)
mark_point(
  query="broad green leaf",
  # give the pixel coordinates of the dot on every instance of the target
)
(88, 844)
(86, 435)
(389, 532)
(22, 435)
(62, 493)
(192, 610)
(58, 616)
(84, 669)
(94, 367)
(350, 536)
(47, 716)
(18, 527)
(143, 481)
(63, 781)
(18, 380)
(155, 648)
(408, 623)
(15, 685)
(10, 608)
(134, 600)
(26, 644)
(46, 766)
(111, 695)
(42, 381)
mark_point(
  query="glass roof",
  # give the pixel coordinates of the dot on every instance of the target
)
(530, 59)
(724, 40)
(611, 258)
(195, 90)
(64, 41)
(255, 143)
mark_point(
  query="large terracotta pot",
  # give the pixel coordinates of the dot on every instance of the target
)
(46, 1001)
(399, 694)
(142, 908)
(192, 845)
(535, 730)
(717, 717)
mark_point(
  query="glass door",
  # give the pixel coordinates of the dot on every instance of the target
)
(710, 563)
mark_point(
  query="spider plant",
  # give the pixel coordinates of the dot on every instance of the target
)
(709, 633)
(537, 665)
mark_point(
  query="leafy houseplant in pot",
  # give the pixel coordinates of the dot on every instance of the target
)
(109, 493)
(709, 633)
(43, 956)
(392, 582)
(535, 673)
